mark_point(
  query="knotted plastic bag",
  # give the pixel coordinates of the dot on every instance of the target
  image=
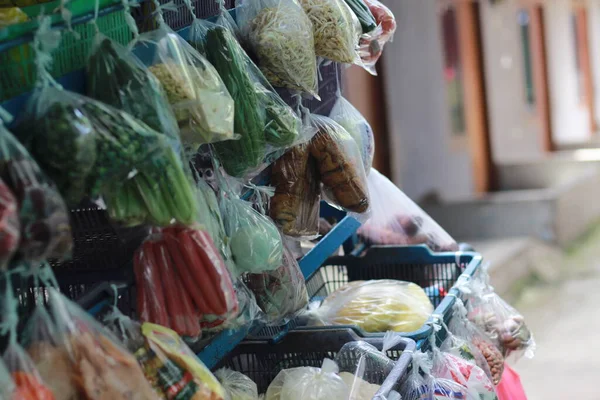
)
(309, 383)
(237, 385)
(340, 166)
(396, 219)
(375, 306)
(345, 114)
(280, 34)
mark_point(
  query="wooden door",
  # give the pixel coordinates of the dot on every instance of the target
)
(584, 64)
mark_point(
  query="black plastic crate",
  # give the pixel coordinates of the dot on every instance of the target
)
(262, 361)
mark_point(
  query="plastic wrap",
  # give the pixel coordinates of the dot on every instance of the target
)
(309, 383)
(44, 219)
(181, 279)
(420, 384)
(237, 385)
(376, 306)
(345, 114)
(10, 226)
(371, 43)
(180, 366)
(264, 121)
(103, 368)
(255, 241)
(280, 34)
(295, 205)
(202, 104)
(280, 293)
(336, 30)
(340, 166)
(396, 219)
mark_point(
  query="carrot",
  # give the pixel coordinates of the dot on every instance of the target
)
(192, 317)
(143, 309)
(184, 272)
(210, 289)
(154, 285)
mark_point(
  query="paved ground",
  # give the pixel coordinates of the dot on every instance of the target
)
(565, 318)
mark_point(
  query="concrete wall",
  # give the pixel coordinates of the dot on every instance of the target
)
(570, 122)
(514, 128)
(422, 156)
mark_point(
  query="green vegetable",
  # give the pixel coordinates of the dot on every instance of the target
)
(227, 56)
(364, 15)
(283, 125)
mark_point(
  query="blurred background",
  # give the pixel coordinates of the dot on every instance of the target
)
(486, 113)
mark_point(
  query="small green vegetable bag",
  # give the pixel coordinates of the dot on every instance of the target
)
(264, 121)
(202, 105)
(280, 34)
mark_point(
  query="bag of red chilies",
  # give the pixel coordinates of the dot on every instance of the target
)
(182, 281)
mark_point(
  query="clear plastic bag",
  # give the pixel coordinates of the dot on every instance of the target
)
(45, 229)
(255, 242)
(10, 226)
(371, 43)
(375, 306)
(340, 166)
(237, 385)
(28, 382)
(280, 34)
(202, 104)
(115, 76)
(420, 384)
(336, 30)
(280, 293)
(103, 368)
(396, 219)
(7, 385)
(345, 114)
(295, 205)
(309, 383)
(264, 121)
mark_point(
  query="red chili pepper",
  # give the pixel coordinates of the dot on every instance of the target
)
(30, 388)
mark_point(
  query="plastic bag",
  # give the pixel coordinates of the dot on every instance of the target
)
(171, 351)
(396, 219)
(280, 34)
(10, 226)
(510, 387)
(420, 384)
(44, 219)
(115, 76)
(249, 314)
(182, 278)
(309, 383)
(336, 30)
(264, 121)
(295, 205)
(371, 43)
(12, 16)
(340, 165)
(237, 385)
(202, 105)
(280, 293)
(255, 241)
(376, 306)
(7, 385)
(465, 373)
(104, 369)
(345, 114)
(29, 384)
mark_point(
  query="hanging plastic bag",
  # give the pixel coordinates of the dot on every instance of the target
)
(340, 165)
(510, 387)
(420, 384)
(375, 306)
(237, 385)
(336, 30)
(309, 383)
(264, 121)
(363, 14)
(396, 219)
(280, 293)
(371, 43)
(10, 226)
(295, 205)
(45, 230)
(7, 385)
(249, 313)
(280, 34)
(29, 384)
(168, 346)
(345, 114)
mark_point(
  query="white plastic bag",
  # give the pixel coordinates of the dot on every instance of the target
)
(237, 385)
(309, 383)
(396, 219)
(345, 114)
